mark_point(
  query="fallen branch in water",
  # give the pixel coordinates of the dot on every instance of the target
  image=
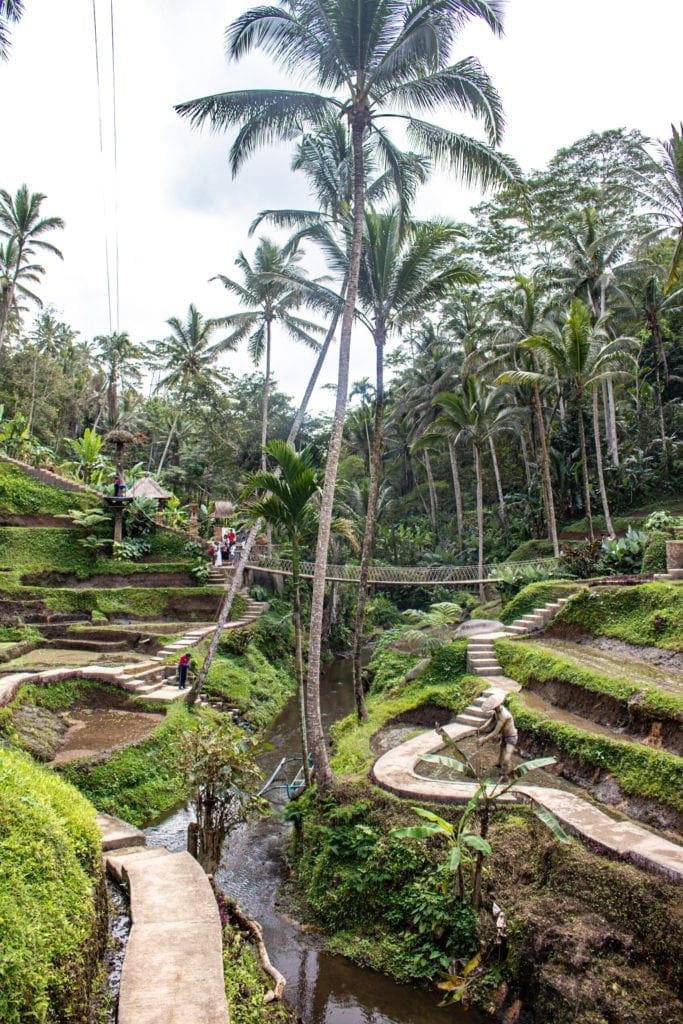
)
(255, 933)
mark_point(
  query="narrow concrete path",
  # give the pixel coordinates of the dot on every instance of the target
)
(173, 967)
(397, 772)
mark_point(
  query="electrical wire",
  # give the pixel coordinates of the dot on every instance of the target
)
(104, 194)
(116, 166)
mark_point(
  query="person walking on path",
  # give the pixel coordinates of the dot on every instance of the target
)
(183, 669)
(218, 554)
(505, 728)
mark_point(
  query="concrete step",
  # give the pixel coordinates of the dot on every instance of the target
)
(486, 663)
(516, 629)
(468, 717)
(478, 670)
(139, 667)
(675, 574)
(114, 860)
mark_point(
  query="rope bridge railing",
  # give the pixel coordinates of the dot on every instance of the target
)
(415, 575)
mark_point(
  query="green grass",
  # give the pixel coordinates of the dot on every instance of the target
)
(650, 615)
(50, 879)
(258, 688)
(22, 494)
(443, 683)
(639, 770)
(535, 595)
(527, 664)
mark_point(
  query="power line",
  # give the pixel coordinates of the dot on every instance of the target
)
(116, 167)
(104, 193)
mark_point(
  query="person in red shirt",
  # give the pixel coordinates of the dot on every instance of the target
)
(183, 669)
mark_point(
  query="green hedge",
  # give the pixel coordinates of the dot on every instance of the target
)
(22, 494)
(639, 770)
(650, 614)
(50, 877)
(526, 663)
(535, 595)
(654, 555)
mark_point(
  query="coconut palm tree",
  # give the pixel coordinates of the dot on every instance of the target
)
(187, 356)
(14, 282)
(271, 290)
(10, 12)
(371, 61)
(405, 269)
(121, 359)
(476, 413)
(664, 193)
(583, 355)
(23, 229)
(524, 317)
(49, 337)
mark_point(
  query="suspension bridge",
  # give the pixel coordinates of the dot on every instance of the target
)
(398, 575)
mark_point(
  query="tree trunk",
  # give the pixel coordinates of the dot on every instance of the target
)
(241, 562)
(457, 490)
(545, 474)
(480, 520)
(169, 438)
(584, 468)
(499, 490)
(612, 420)
(299, 661)
(528, 475)
(321, 762)
(433, 503)
(598, 464)
(33, 390)
(369, 532)
(264, 399)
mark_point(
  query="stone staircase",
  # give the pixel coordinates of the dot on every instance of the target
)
(537, 619)
(221, 575)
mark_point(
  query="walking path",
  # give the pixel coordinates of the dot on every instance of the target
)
(173, 966)
(397, 772)
(148, 679)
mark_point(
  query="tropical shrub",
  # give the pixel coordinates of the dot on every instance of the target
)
(581, 561)
(623, 554)
(654, 553)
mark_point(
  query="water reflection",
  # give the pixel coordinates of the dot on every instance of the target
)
(322, 987)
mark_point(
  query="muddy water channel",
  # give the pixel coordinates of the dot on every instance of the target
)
(322, 988)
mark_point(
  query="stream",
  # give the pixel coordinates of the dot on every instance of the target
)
(322, 987)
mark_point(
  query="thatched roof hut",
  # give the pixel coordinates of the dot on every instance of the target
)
(148, 487)
(222, 510)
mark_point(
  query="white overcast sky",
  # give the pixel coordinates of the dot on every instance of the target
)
(563, 69)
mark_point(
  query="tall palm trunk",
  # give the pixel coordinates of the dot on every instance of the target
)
(584, 465)
(480, 519)
(299, 659)
(613, 436)
(171, 433)
(598, 464)
(318, 747)
(528, 475)
(369, 532)
(264, 398)
(248, 544)
(499, 489)
(34, 377)
(546, 478)
(457, 490)
(433, 501)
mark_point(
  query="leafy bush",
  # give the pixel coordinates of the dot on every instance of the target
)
(131, 549)
(511, 580)
(273, 634)
(259, 593)
(659, 521)
(140, 517)
(50, 870)
(235, 641)
(654, 554)
(581, 561)
(623, 554)
(194, 549)
(201, 571)
(382, 612)
(390, 904)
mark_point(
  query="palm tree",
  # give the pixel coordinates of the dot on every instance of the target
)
(405, 269)
(14, 281)
(120, 358)
(664, 192)
(476, 413)
(524, 319)
(285, 502)
(583, 355)
(272, 291)
(371, 60)
(187, 357)
(50, 337)
(10, 11)
(22, 228)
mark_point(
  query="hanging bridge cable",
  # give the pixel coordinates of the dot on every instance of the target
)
(116, 167)
(104, 192)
